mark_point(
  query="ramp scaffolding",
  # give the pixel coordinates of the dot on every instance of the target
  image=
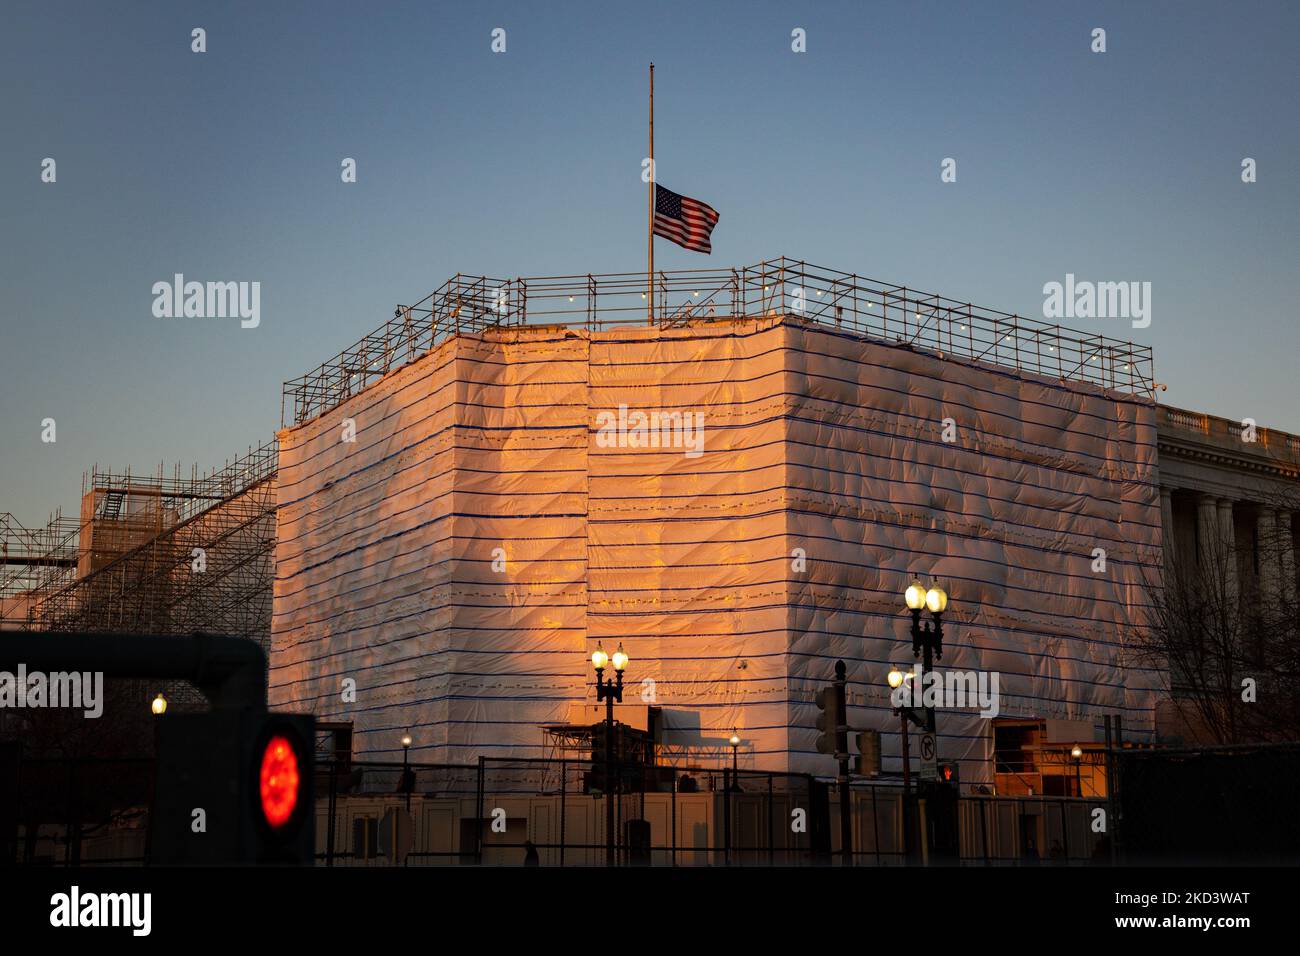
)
(33, 560)
(154, 554)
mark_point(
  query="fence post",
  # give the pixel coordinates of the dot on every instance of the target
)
(1065, 832)
(726, 816)
(478, 813)
(984, 829)
(674, 816)
(1115, 791)
(875, 825)
(771, 836)
(333, 810)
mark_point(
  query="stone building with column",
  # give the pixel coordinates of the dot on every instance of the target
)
(1230, 498)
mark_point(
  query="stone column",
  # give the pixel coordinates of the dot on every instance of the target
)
(1286, 543)
(1266, 542)
(1167, 524)
(1207, 529)
(1227, 542)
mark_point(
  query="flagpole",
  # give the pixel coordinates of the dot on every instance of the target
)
(650, 222)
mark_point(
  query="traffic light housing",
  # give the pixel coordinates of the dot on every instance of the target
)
(948, 773)
(868, 760)
(250, 773)
(831, 720)
(943, 832)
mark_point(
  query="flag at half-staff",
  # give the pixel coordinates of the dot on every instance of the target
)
(685, 221)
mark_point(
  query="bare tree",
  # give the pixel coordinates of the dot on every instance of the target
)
(1230, 648)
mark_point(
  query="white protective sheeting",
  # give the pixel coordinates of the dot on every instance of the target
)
(499, 512)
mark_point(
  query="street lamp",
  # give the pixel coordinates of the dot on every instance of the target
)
(159, 705)
(895, 679)
(735, 744)
(407, 782)
(927, 640)
(1077, 753)
(609, 691)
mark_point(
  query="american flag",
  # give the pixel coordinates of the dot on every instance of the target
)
(687, 222)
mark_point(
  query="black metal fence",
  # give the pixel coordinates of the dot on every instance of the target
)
(560, 812)
(518, 812)
(1241, 812)
(79, 812)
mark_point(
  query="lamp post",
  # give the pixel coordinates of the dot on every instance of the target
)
(905, 714)
(735, 763)
(1077, 753)
(896, 678)
(927, 641)
(406, 780)
(609, 691)
(159, 705)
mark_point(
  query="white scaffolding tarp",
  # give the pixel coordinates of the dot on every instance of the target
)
(503, 507)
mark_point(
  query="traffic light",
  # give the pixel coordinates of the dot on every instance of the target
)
(948, 773)
(830, 720)
(234, 787)
(940, 799)
(868, 753)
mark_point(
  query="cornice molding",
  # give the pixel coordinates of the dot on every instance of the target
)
(1212, 454)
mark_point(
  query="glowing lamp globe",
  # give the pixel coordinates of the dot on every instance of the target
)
(936, 599)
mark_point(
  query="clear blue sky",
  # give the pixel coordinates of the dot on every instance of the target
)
(225, 166)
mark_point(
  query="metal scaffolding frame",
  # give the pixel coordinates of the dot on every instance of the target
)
(782, 287)
(31, 557)
(153, 554)
(129, 562)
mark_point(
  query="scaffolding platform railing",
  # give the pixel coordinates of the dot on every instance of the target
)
(780, 287)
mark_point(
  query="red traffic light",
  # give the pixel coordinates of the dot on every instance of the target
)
(278, 781)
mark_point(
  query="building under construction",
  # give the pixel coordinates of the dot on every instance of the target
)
(735, 481)
(511, 473)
